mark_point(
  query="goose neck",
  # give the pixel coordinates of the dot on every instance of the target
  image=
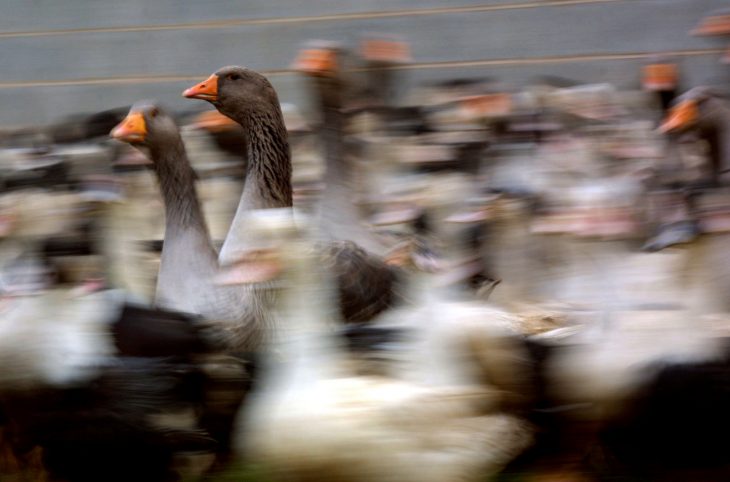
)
(268, 178)
(269, 169)
(177, 186)
(308, 310)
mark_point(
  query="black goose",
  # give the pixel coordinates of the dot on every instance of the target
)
(705, 112)
(69, 386)
(248, 98)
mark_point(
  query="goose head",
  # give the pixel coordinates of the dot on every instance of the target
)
(147, 125)
(321, 63)
(235, 91)
(319, 59)
(693, 109)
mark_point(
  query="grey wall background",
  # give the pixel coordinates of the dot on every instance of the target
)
(64, 56)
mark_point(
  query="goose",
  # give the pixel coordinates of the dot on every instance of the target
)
(92, 377)
(247, 97)
(28, 218)
(702, 207)
(595, 373)
(92, 423)
(189, 260)
(703, 111)
(381, 52)
(661, 78)
(313, 419)
(340, 218)
(675, 427)
(631, 397)
(455, 324)
(66, 386)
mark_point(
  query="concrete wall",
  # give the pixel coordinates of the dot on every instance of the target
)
(65, 56)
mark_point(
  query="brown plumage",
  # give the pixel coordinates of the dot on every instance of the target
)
(708, 112)
(248, 98)
(371, 291)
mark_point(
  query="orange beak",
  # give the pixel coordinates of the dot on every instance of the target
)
(206, 90)
(316, 61)
(680, 116)
(213, 121)
(132, 129)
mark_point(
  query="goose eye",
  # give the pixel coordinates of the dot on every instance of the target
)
(234, 77)
(154, 112)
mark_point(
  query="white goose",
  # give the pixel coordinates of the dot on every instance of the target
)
(47, 337)
(313, 420)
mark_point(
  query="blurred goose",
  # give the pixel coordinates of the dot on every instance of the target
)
(28, 218)
(593, 373)
(380, 52)
(460, 337)
(94, 380)
(339, 215)
(314, 420)
(704, 111)
(707, 111)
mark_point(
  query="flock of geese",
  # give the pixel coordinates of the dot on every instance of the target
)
(317, 345)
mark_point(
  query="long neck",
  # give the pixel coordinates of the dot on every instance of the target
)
(380, 84)
(339, 216)
(305, 341)
(268, 180)
(328, 92)
(188, 256)
(183, 212)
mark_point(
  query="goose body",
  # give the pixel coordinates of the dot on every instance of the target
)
(249, 99)
(69, 385)
(189, 261)
(51, 339)
(704, 208)
(313, 418)
(457, 337)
